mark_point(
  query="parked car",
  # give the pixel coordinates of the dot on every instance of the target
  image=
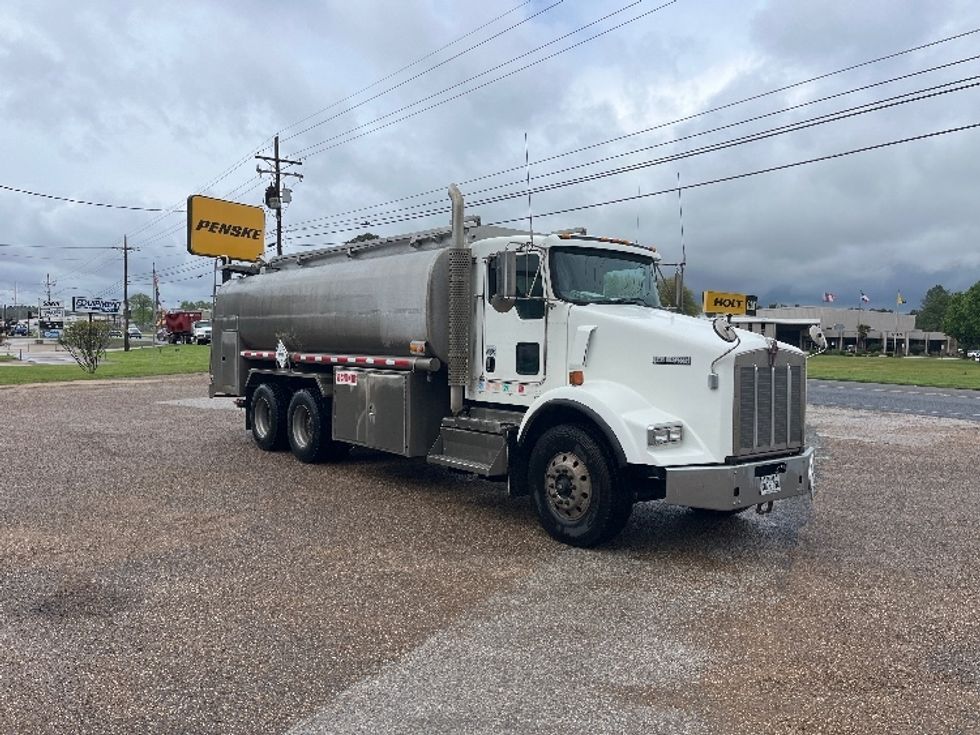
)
(19, 330)
(115, 333)
(974, 354)
(134, 332)
(202, 332)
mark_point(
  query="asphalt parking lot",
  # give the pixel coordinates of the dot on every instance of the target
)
(159, 574)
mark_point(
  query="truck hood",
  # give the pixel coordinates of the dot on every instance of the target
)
(665, 360)
(655, 330)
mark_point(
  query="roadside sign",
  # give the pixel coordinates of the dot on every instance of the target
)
(86, 305)
(723, 302)
(51, 311)
(218, 228)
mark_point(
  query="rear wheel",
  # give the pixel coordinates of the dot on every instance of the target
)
(268, 419)
(573, 482)
(308, 428)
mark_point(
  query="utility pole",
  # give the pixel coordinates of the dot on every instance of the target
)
(275, 197)
(156, 301)
(125, 249)
(49, 283)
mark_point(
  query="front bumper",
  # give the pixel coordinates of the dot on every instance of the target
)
(729, 487)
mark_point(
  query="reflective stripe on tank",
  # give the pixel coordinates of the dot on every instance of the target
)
(399, 363)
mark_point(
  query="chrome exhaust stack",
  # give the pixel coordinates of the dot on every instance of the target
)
(460, 305)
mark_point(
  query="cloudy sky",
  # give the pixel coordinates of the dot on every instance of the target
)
(140, 104)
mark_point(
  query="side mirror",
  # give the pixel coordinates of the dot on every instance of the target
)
(503, 280)
(818, 338)
(724, 329)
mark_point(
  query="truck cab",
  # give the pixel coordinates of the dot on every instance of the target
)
(677, 413)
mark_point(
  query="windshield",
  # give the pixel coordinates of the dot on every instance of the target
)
(201, 325)
(586, 276)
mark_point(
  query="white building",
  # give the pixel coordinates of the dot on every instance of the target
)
(886, 330)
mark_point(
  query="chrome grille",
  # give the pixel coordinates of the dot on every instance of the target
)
(769, 403)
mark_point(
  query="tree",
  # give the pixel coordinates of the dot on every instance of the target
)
(962, 320)
(86, 342)
(933, 311)
(195, 305)
(141, 307)
(863, 330)
(692, 304)
(362, 237)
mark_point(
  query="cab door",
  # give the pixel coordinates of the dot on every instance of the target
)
(514, 341)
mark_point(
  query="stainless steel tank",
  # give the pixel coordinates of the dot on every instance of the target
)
(373, 301)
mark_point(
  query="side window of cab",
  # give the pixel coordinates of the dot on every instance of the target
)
(530, 303)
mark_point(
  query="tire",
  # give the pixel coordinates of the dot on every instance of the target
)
(268, 417)
(308, 423)
(574, 485)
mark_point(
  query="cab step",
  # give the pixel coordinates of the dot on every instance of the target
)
(476, 444)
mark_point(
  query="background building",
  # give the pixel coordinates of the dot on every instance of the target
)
(886, 331)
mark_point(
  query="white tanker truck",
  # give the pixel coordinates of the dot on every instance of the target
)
(546, 361)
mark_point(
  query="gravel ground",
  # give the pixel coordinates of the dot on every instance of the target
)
(159, 574)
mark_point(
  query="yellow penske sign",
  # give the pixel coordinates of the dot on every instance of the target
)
(219, 228)
(721, 302)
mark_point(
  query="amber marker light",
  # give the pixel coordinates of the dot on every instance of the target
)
(576, 377)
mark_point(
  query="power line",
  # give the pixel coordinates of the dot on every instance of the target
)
(659, 126)
(321, 147)
(635, 151)
(398, 71)
(17, 190)
(52, 247)
(875, 106)
(426, 71)
(746, 174)
(887, 103)
(22, 256)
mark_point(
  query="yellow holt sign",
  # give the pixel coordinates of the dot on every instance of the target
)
(721, 302)
(219, 228)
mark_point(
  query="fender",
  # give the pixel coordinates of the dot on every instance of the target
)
(323, 380)
(621, 414)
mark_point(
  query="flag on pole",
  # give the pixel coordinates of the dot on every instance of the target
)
(865, 298)
(828, 297)
(899, 300)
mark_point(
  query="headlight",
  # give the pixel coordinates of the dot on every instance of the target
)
(662, 434)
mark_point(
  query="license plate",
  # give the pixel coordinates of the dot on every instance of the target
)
(769, 485)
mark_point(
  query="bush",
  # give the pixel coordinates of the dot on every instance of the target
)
(87, 343)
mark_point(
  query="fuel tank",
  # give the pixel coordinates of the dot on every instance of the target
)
(368, 301)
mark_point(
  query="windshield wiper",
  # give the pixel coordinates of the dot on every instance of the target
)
(624, 300)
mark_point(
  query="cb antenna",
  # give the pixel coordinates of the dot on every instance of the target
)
(527, 185)
(638, 216)
(679, 281)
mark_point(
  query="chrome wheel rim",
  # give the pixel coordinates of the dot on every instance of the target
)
(568, 486)
(302, 426)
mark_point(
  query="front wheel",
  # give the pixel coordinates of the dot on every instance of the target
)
(573, 482)
(308, 428)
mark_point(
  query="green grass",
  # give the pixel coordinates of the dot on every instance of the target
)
(138, 363)
(7, 358)
(926, 371)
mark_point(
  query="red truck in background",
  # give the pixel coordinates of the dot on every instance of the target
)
(180, 325)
